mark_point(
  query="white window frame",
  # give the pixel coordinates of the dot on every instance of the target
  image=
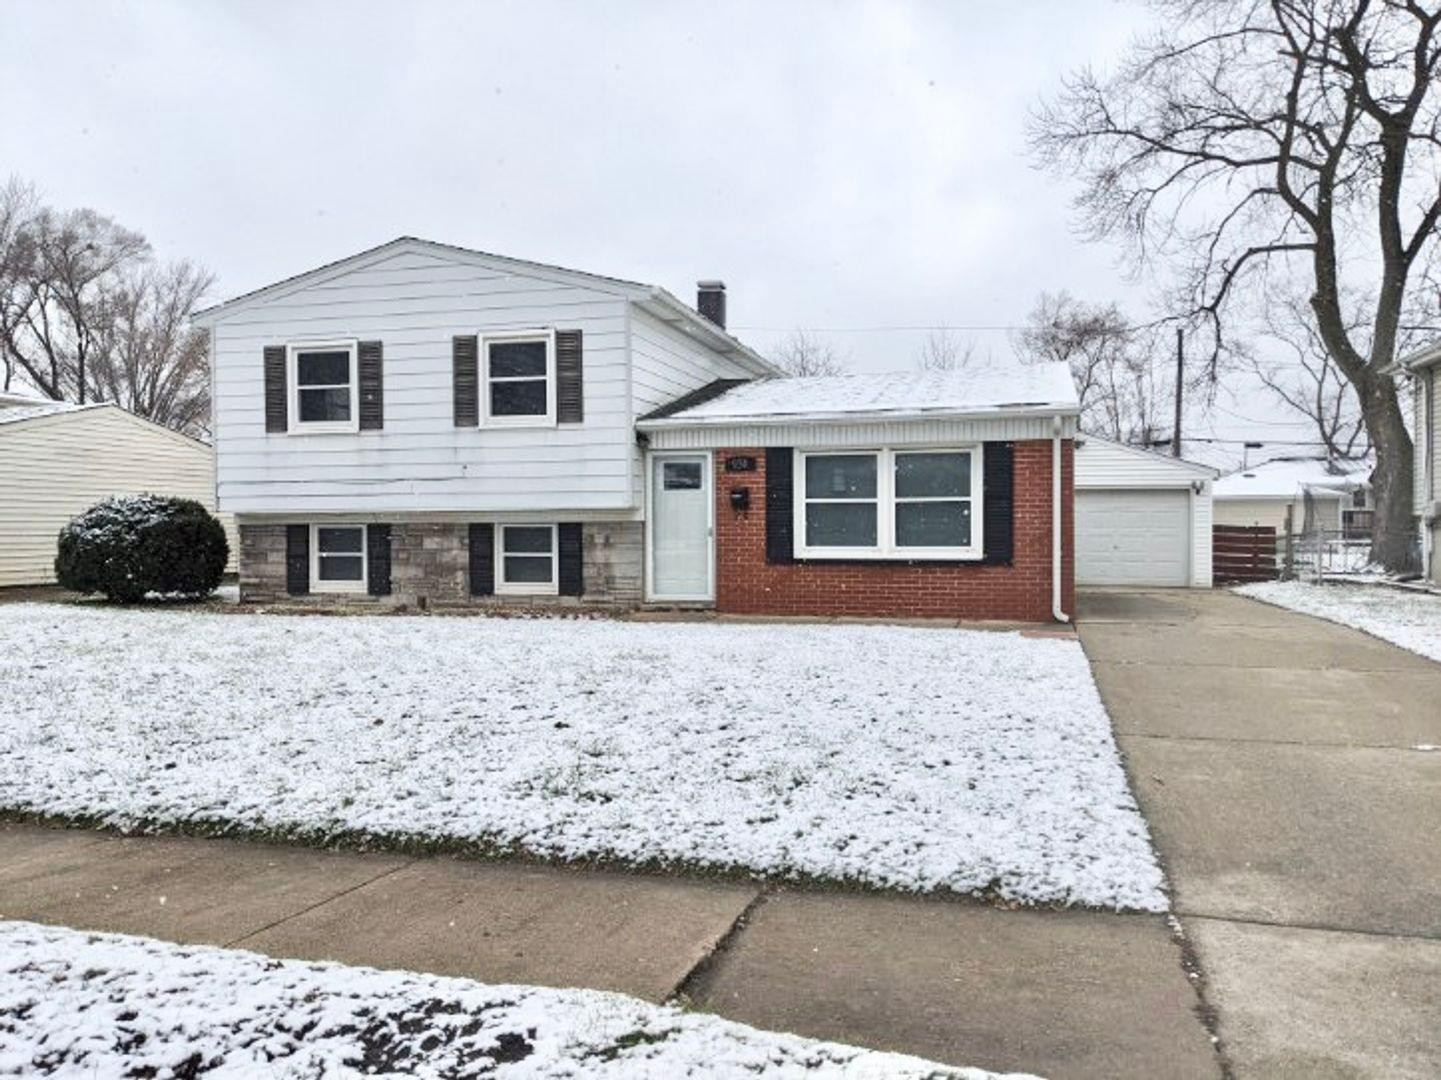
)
(487, 419)
(886, 548)
(319, 586)
(527, 588)
(295, 425)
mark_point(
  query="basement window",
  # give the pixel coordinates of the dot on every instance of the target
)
(526, 560)
(337, 558)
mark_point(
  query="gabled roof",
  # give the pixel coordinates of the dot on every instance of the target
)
(1018, 389)
(653, 298)
(15, 409)
(1153, 457)
(1288, 478)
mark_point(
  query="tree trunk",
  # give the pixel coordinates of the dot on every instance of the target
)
(1393, 535)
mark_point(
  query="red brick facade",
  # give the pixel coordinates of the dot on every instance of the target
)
(747, 584)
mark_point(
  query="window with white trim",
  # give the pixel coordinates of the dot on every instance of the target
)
(519, 378)
(525, 557)
(323, 387)
(337, 558)
(889, 504)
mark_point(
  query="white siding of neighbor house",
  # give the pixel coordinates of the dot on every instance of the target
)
(54, 467)
(1273, 512)
(414, 302)
(1105, 465)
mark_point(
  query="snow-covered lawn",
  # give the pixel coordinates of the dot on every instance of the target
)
(1410, 620)
(902, 758)
(77, 1004)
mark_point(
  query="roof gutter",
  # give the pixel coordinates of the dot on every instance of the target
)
(772, 419)
(730, 344)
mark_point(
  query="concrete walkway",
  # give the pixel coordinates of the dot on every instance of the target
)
(1061, 994)
(1276, 758)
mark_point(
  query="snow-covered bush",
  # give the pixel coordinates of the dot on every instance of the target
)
(132, 545)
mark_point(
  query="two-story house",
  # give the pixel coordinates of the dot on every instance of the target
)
(443, 426)
(1425, 368)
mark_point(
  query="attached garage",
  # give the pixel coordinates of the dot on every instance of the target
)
(1142, 518)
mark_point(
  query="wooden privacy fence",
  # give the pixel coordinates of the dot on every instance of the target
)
(1243, 553)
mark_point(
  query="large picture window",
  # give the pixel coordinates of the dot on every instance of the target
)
(526, 559)
(889, 504)
(323, 382)
(337, 558)
(520, 379)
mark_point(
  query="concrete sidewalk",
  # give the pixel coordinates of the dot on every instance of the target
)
(1060, 994)
(1276, 758)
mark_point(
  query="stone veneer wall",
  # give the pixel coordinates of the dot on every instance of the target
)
(432, 560)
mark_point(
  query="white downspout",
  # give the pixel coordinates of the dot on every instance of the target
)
(1056, 612)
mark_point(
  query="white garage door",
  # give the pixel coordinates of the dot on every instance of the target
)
(1133, 537)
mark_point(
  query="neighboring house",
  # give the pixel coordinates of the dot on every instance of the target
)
(445, 426)
(1340, 496)
(59, 459)
(1142, 518)
(1425, 367)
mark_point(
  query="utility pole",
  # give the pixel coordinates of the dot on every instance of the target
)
(1180, 378)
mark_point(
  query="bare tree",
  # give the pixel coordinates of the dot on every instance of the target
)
(943, 351)
(150, 361)
(1122, 397)
(1270, 138)
(18, 208)
(70, 264)
(801, 354)
(1310, 383)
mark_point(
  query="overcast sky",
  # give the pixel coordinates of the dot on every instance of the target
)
(840, 166)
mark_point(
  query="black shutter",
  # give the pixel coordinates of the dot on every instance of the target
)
(275, 395)
(780, 505)
(377, 551)
(482, 560)
(998, 500)
(465, 379)
(569, 388)
(297, 559)
(371, 364)
(571, 572)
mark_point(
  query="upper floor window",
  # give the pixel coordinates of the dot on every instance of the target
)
(889, 504)
(323, 387)
(519, 378)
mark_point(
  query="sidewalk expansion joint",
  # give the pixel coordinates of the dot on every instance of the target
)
(1319, 928)
(694, 981)
(318, 904)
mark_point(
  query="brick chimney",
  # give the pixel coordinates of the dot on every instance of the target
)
(710, 301)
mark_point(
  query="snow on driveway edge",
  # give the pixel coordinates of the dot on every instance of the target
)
(1411, 621)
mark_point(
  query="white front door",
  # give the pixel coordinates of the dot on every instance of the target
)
(680, 527)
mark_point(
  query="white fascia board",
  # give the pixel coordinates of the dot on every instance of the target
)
(1423, 357)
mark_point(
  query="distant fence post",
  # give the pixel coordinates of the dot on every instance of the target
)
(1289, 565)
(1242, 553)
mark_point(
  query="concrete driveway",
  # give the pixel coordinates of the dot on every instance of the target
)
(1280, 762)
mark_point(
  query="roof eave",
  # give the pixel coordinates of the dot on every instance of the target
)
(908, 415)
(717, 339)
(1423, 357)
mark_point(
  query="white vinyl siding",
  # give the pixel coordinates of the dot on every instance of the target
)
(54, 467)
(414, 302)
(1123, 478)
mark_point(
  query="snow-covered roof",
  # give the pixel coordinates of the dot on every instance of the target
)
(1023, 388)
(13, 408)
(1422, 357)
(1286, 478)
